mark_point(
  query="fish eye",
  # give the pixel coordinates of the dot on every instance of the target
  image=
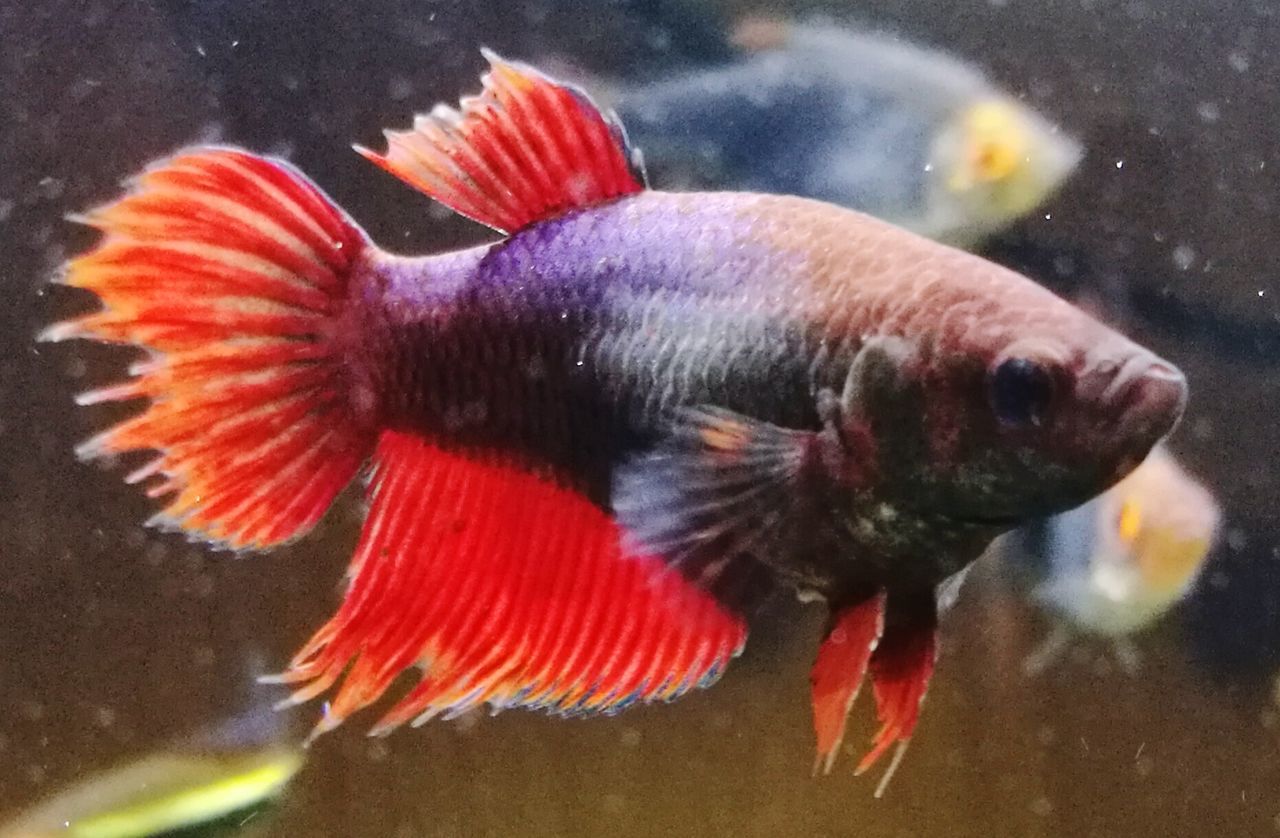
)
(1021, 392)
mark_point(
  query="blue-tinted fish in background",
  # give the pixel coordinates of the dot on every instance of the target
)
(857, 118)
(593, 437)
(1117, 564)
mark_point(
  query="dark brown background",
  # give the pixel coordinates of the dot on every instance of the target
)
(113, 638)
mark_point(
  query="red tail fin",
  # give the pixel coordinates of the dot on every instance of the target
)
(230, 269)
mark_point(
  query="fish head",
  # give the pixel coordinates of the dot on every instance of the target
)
(1036, 413)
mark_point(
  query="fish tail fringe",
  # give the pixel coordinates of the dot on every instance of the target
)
(231, 270)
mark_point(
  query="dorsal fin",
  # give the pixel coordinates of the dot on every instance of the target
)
(526, 149)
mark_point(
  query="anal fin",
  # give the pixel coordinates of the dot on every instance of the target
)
(503, 586)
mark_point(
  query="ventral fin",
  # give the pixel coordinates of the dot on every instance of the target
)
(528, 148)
(504, 587)
(719, 487)
(900, 668)
(838, 673)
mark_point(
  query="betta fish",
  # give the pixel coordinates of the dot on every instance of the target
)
(1117, 564)
(858, 118)
(595, 443)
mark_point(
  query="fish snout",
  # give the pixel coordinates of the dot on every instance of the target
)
(1150, 395)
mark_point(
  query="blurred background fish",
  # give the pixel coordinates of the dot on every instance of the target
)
(1117, 564)
(216, 781)
(858, 118)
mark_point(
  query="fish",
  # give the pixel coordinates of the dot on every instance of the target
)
(225, 778)
(854, 117)
(1117, 564)
(594, 444)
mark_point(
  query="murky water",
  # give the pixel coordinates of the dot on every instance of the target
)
(114, 638)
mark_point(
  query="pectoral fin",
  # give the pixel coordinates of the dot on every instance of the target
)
(719, 488)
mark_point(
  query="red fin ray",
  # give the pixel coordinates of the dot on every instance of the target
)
(526, 149)
(229, 268)
(505, 588)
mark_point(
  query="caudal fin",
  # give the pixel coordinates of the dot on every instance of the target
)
(231, 270)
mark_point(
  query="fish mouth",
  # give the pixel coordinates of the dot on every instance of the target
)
(1151, 395)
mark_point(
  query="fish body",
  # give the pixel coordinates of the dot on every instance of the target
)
(598, 441)
(610, 321)
(856, 118)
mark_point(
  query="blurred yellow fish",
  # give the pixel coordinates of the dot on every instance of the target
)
(222, 778)
(1115, 565)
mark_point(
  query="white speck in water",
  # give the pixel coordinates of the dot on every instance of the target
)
(1238, 60)
(928, 167)
(1119, 164)
(1048, 216)
(50, 188)
(104, 717)
(1184, 256)
(1209, 111)
(200, 49)
(399, 88)
(1262, 292)
(235, 43)
(1236, 539)
(76, 367)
